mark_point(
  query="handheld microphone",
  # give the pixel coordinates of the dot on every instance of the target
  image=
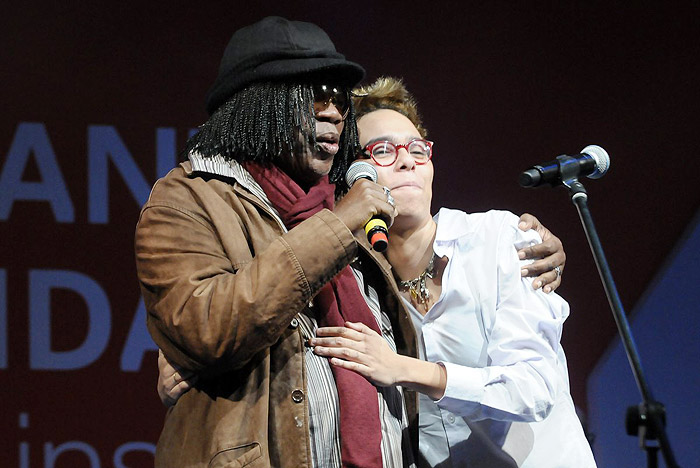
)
(375, 228)
(593, 162)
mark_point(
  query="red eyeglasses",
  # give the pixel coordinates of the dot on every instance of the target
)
(385, 153)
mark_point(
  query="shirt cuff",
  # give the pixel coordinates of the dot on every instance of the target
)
(465, 387)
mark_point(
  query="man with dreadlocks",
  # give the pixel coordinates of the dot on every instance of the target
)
(242, 252)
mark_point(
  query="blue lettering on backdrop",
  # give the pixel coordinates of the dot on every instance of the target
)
(51, 453)
(41, 357)
(104, 143)
(32, 138)
(131, 447)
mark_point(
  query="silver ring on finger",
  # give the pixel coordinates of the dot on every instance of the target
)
(558, 270)
(389, 198)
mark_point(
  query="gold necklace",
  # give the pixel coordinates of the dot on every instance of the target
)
(417, 287)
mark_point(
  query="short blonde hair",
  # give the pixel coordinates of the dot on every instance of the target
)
(388, 93)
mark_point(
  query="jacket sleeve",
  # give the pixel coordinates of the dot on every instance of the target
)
(212, 313)
(527, 367)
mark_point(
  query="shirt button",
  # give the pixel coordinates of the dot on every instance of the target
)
(297, 396)
(451, 419)
(294, 323)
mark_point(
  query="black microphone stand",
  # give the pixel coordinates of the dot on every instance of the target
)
(648, 419)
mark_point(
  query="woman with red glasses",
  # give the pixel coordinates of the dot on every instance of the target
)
(492, 378)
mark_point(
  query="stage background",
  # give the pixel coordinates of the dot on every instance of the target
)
(97, 100)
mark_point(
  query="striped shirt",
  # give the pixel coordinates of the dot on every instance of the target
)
(323, 395)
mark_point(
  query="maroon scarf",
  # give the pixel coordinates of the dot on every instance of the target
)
(338, 301)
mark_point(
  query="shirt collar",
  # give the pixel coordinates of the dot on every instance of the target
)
(451, 226)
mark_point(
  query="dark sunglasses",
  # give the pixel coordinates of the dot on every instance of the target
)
(324, 95)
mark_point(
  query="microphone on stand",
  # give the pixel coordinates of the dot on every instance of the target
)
(593, 162)
(375, 228)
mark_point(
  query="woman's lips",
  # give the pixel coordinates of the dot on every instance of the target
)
(407, 185)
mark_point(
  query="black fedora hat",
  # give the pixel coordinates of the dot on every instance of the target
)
(275, 48)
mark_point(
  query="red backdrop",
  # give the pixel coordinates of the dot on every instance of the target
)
(97, 99)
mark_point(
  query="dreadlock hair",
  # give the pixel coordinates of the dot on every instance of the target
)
(263, 121)
(388, 93)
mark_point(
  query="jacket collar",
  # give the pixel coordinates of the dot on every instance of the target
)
(230, 169)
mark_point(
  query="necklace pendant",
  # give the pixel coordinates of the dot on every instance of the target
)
(425, 294)
(417, 287)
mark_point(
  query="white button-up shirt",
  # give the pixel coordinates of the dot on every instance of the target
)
(507, 398)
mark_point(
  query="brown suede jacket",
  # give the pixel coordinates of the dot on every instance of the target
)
(223, 282)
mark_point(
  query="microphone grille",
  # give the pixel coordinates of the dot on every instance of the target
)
(360, 170)
(601, 158)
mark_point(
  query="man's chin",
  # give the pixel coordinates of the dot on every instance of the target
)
(316, 171)
(323, 170)
(322, 161)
